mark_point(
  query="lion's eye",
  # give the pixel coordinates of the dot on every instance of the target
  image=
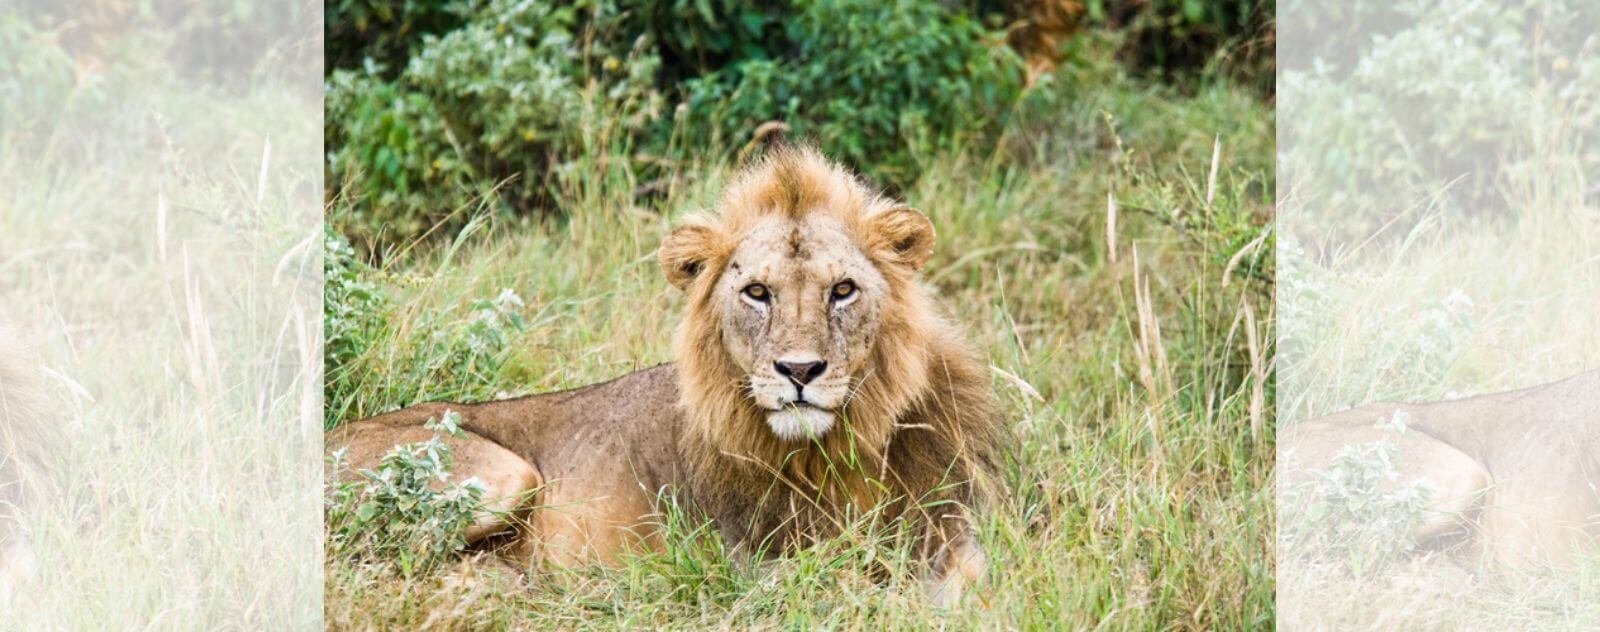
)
(843, 290)
(757, 292)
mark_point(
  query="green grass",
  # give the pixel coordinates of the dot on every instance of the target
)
(1465, 305)
(1488, 281)
(1136, 493)
(148, 254)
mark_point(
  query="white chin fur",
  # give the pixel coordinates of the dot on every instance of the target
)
(797, 424)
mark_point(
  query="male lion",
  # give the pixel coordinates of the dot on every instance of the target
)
(812, 376)
(22, 449)
(1513, 474)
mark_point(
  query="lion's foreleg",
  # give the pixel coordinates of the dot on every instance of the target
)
(509, 481)
(955, 562)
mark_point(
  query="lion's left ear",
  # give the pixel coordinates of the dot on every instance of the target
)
(903, 234)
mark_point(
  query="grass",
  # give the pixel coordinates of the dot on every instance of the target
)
(157, 250)
(1466, 306)
(1466, 297)
(1133, 363)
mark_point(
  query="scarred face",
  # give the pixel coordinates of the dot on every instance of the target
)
(798, 306)
(794, 286)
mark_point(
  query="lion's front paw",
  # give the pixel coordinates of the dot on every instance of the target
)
(954, 569)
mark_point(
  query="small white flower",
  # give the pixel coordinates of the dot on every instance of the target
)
(508, 299)
(1398, 424)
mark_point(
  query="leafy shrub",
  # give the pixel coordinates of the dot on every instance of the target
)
(1357, 511)
(695, 37)
(382, 34)
(441, 109)
(869, 81)
(489, 113)
(1175, 36)
(353, 307)
(35, 76)
(227, 41)
(471, 351)
(486, 109)
(450, 352)
(355, 317)
(395, 512)
(1456, 102)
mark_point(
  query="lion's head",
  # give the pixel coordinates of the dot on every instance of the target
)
(804, 313)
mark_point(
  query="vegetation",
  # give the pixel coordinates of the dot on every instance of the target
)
(437, 107)
(1459, 103)
(1131, 346)
(1357, 510)
(1439, 242)
(158, 251)
(397, 512)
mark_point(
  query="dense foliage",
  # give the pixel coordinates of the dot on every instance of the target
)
(438, 111)
(1469, 105)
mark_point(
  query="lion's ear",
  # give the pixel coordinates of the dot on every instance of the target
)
(686, 252)
(903, 234)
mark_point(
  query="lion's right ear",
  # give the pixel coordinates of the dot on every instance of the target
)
(687, 252)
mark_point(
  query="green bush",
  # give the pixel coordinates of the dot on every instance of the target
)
(395, 512)
(695, 37)
(1357, 511)
(383, 34)
(441, 110)
(1176, 36)
(1465, 105)
(35, 76)
(477, 116)
(486, 115)
(451, 352)
(869, 82)
(353, 309)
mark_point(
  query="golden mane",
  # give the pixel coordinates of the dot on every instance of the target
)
(896, 408)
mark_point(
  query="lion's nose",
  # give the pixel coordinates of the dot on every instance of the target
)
(801, 373)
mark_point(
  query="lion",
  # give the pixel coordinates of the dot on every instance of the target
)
(813, 379)
(23, 443)
(1512, 475)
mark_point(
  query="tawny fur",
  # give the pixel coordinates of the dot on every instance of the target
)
(24, 435)
(927, 396)
(917, 437)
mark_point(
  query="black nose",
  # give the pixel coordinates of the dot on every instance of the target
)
(801, 373)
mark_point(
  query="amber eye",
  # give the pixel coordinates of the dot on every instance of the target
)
(757, 292)
(843, 290)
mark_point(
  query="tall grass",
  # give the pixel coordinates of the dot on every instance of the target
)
(158, 252)
(1138, 386)
(1482, 280)
(1461, 307)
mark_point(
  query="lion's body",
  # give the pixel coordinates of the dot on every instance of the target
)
(1515, 474)
(24, 440)
(592, 458)
(902, 424)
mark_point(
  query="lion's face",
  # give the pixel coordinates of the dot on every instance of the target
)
(798, 305)
(791, 290)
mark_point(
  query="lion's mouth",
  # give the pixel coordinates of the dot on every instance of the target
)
(800, 421)
(770, 396)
